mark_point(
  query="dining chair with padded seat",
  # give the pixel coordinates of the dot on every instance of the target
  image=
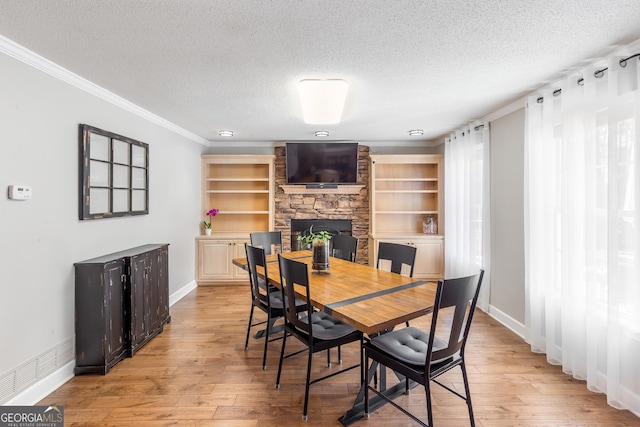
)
(265, 297)
(344, 247)
(399, 255)
(317, 330)
(422, 356)
(266, 240)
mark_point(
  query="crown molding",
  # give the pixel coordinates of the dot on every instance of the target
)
(14, 50)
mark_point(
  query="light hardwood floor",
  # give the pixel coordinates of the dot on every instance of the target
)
(197, 373)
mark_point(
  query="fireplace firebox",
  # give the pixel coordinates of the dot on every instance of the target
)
(332, 226)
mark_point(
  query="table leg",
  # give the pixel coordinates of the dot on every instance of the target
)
(357, 410)
(274, 330)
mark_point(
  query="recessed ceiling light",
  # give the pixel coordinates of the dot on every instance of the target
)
(225, 133)
(322, 100)
(320, 133)
(416, 132)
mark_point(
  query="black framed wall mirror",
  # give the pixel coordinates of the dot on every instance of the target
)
(114, 175)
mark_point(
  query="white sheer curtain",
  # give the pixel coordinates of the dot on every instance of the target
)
(466, 206)
(581, 229)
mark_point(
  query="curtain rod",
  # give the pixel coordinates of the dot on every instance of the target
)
(475, 128)
(597, 74)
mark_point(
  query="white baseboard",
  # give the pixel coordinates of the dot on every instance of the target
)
(507, 321)
(182, 292)
(43, 388)
(39, 390)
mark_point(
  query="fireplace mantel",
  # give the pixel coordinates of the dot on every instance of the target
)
(340, 189)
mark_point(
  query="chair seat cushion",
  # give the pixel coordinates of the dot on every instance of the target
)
(326, 327)
(408, 345)
(275, 299)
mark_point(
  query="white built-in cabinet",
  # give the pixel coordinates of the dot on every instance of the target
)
(405, 191)
(241, 187)
(214, 259)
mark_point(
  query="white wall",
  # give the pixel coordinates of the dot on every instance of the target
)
(40, 239)
(507, 218)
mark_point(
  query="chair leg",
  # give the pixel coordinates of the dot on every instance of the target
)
(266, 341)
(367, 380)
(468, 393)
(427, 391)
(363, 368)
(340, 355)
(328, 358)
(306, 390)
(284, 341)
(246, 342)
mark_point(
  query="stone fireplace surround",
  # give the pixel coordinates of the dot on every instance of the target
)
(327, 204)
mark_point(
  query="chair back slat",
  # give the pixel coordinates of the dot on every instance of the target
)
(399, 255)
(345, 247)
(266, 240)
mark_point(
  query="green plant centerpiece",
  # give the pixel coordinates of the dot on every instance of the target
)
(320, 246)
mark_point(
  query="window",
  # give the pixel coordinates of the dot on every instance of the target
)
(114, 175)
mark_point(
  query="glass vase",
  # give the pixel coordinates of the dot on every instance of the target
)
(320, 262)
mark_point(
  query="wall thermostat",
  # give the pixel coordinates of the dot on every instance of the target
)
(19, 192)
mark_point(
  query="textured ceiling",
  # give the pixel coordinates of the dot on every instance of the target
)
(207, 65)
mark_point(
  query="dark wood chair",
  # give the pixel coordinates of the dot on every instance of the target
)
(344, 247)
(398, 254)
(422, 356)
(318, 331)
(266, 240)
(263, 296)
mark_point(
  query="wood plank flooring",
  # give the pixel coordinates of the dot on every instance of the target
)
(197, 373)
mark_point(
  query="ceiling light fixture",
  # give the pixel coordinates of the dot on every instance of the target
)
(416, 132)
(322, 100)
(320, 133)
(225, 133)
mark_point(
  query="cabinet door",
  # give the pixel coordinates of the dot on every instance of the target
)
(115, 320)
(152, 291)
(214, 259)
(163, 284)
(137, 306)
(157, 289)
(429, 259)
(239, 252)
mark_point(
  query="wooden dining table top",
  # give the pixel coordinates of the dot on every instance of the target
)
(369, 299)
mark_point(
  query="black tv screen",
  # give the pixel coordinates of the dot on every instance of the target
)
(322, 162)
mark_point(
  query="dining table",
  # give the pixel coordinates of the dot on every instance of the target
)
(369, 299)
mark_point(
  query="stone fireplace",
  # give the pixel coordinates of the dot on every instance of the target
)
(324, 204)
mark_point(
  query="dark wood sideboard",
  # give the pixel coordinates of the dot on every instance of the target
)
(121, 302)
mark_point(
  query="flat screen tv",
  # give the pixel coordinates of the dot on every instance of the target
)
(322, 162)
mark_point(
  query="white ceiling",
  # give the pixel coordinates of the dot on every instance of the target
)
(206, 65)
